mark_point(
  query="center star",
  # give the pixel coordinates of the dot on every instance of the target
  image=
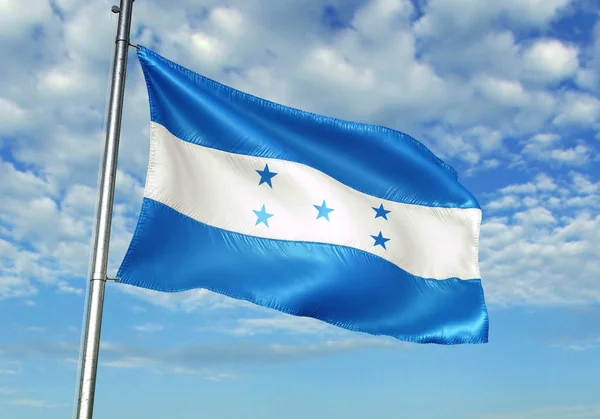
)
(263, 216)
(323, 210)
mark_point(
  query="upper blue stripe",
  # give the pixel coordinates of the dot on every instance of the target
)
(340, 285)
(374, 160)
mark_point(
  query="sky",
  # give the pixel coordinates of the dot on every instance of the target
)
(505, 91)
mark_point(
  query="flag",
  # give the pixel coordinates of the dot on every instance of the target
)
(356, 225)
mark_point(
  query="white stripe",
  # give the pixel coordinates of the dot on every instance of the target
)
(221, 189)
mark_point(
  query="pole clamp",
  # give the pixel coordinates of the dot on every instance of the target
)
(99, 277)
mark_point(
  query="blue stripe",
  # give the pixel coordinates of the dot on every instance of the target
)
(371, 159)
(339, 285)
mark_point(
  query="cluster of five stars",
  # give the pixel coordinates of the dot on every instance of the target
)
(266, 176)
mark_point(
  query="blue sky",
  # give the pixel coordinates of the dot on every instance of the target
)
(507, 92)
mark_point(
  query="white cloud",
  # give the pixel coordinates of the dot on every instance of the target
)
(205, 357)
(16, 17)
(505, 202)
(504, 92)
(535, 216)
(11, 115)
(331, 67)
(278, 324)
(487, 164)
(4, 371)
(545, 139)
(549, 60)
(441, 16)
(187, 301)
(578, 109)
(548, 147)
(207, 47)
(582, 185)
(576, 155)
(20, 184)
(543, 182)
(228, 19)
(587, 78)
(33, 219)
(36, 329)
(544, 253)
(208, 360)
(578, 344)
(36, 403)
(555, 412)
(523, 188)
(535, 12)
(470, 145)
(58, 81)
(377, 16)
(11, 287)
(149, 327)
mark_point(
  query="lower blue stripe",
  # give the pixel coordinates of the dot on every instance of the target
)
(339, 285)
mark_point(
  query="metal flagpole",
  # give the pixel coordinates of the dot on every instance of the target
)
(91, 339)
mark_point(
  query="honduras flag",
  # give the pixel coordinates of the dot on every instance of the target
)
(357, 225)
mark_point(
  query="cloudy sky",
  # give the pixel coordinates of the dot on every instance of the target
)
(505, 91)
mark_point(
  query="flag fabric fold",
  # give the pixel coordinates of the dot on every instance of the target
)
(356, 225)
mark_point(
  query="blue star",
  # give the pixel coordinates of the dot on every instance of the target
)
(266, 176)
(381, 212)
(380, 240)
(323, 210)
(263, 216)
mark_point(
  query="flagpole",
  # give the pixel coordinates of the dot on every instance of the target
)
(98, 277)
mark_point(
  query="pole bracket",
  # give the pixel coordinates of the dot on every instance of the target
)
(98, 277)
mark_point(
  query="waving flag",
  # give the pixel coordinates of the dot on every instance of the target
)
(356, 225)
